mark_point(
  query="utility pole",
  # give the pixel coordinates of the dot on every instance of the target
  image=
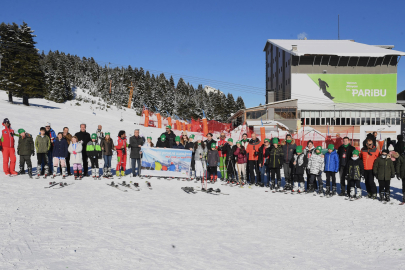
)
(131, 91)
(338, 27)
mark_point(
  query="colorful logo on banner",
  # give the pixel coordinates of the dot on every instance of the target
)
(165, 162)
(345, 88)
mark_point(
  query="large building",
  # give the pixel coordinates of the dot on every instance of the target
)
(330, 85)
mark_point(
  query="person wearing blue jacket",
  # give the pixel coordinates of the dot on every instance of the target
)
(59, 153)
(177, 145)
(331, 168)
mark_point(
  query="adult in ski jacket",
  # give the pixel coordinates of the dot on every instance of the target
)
(288, 146)
(60, 148)
(7, 147)
(162, 142)
(240, 154)
(135, 143)
(121, 147)
(345, 155)
(331, 161)
(369, 154)
(107, 146)
(209, 141)
(400, 146)
(200, 150)
(84, 137)
(253, 157)
(170, 136)
(264, 154)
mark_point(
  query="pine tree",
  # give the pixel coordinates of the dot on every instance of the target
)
(240, 104)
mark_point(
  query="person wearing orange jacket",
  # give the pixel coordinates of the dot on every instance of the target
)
(253, 151)
(369, 154)
(7, 147)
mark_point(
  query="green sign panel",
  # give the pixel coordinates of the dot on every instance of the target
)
(357, 88)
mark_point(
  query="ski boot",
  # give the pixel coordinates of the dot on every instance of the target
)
(122, 173)
(30, 172)
(310, 188)
(301, 188)
(369, 195)
(279, 187)
(327, 192)
(76, 174)
(387, 196)
(80, 175)
(215, 178)
(21, 171)
(117, 173)
(352, 194)
(358, 194)
(333, 193)
(295, 188)
(373, 196)
(382, 196)
(320, 190)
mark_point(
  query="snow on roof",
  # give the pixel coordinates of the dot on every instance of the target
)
(331, 47)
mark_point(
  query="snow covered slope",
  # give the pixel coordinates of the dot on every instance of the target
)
(92, 226)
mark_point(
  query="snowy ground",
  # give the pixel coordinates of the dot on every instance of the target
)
(92, 226)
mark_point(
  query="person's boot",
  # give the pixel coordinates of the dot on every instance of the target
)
(21, 171)
(310, 188)
(80, 175)
(374, 196)
(63, 172)
(358, 194)
(387, 196)
(93, 173)
(55, 169)
(30, 172)
(301, 189)
(352, 193)
(295, 189)
(327, 193)
(273, 185)
(333, 191)
(403, 197)
(320, 190)
(76, 174)
(279, 187)
(342, 191)
(382, 196)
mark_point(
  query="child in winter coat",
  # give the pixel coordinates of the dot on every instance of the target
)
(298, 164)
(75, 149)
(59, 153)
(42, 145)
(177, 144)
(354, 171)
(316, 166)
(93, 150)
(148, 142)
(213, 163)
(276, 160)
(241, 158)
(331, 168)
(25, 149)
(383, 169)
(200, 156)
(107, 146)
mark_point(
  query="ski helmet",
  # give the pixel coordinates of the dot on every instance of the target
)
(94, 136)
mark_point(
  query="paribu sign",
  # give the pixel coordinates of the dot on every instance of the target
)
(345, 88)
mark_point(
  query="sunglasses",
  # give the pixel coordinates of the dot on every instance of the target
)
(370, 144)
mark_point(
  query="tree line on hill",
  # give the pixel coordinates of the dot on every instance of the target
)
(26, 73)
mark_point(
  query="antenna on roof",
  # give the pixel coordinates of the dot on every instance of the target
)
(338, 28)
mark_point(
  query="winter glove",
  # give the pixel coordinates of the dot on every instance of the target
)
(74, 153)
(33, 153)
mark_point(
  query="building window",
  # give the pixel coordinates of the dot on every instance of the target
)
(373, 121)
(327, 121)
(377, 121)
(387, 121)
(398, 121)
(363, 120)
(322, 121)
(338, 121)
(313, 121)
(353, 121)
(368, 121)
(382, 121)
(358, 121)
(343, 121)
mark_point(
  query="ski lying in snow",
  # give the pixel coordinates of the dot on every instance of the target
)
(124, 184)
(116, 186)
(62, 185)
(148, 184)
(189, 190)
(52, 184)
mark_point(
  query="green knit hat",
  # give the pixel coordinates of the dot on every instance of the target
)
(108, 133)
(163, 137)
(275, 140)
(213, 145)
(169, 126)
(320, 150)
(355, 152)
(299, 149)
(230, 140)
(149, 138)
(267, 140)
(21, 130)
(331, 147)
(192, 136)
(177, 139)
(94, 136)
(238, 142)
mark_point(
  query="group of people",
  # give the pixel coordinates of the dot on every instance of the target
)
(248, 161)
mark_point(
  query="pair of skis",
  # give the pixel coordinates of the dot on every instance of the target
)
(61, 185)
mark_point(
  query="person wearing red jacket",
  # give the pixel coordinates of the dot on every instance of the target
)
(369, 154)
(7, 147)
(222, 156)
(253, 155)
(121, 148)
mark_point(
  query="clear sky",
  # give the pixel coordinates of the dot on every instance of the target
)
(215, 40)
